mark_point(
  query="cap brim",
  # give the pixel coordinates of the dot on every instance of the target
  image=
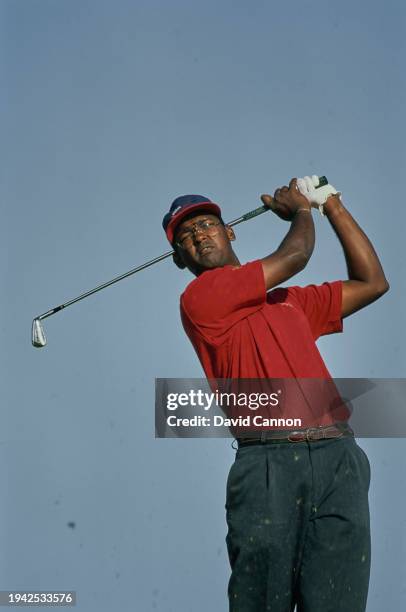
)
(203, 206)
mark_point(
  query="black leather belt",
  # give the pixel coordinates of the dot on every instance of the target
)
(311, 434)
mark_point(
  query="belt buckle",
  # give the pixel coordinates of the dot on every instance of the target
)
(302, 435)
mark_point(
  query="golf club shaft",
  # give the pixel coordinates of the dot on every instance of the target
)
(38, 333)
(246, 217)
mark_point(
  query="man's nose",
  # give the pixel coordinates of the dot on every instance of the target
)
(198, 234)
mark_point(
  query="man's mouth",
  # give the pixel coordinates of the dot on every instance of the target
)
(204, 249)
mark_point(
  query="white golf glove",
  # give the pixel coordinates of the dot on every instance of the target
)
(317, 197)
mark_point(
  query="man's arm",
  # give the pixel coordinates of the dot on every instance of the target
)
(367, 280)
(296, 248)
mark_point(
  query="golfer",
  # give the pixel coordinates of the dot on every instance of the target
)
(296, 500)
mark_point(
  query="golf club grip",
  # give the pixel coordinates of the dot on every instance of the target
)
(254, 213)
(261, 209)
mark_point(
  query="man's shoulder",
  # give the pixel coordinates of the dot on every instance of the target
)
(200, 282)
(227, 285)
(207, 278)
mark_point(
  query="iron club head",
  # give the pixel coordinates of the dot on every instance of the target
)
(38, 335)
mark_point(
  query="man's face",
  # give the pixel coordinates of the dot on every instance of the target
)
(203, 248)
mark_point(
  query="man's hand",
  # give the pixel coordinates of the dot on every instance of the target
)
(286, 201)
(317, 196)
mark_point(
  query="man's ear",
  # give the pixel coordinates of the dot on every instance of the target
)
(230, 233)
(177, 260)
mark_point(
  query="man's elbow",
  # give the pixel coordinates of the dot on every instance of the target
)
(294, 263)
(299, 260)
(380, 288)
(385, 287)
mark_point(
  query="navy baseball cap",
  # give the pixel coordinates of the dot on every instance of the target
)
(182, 206)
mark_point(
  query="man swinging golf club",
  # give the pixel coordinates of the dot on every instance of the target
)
(297, 501)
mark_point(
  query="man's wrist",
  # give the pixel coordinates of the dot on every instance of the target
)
(303, 207)
(333, 204)
(299, 210)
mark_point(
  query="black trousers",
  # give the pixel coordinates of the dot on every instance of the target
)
(298, 527)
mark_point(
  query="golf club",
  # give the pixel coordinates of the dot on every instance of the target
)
(38, 337)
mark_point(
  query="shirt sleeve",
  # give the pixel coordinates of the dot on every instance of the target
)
(219, 298)
(322, 306)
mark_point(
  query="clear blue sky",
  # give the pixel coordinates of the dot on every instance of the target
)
(109, 111)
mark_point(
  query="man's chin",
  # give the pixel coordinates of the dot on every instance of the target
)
(210, 259)
(209, 263)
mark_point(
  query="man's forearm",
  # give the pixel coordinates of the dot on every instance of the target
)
(293, 253)
(299, 241)
(362, 261)
(367, 280)
(296, 248)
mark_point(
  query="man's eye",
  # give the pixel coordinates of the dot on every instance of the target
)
(185, 236)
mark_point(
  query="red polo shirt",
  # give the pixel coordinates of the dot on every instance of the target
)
(240, 331)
